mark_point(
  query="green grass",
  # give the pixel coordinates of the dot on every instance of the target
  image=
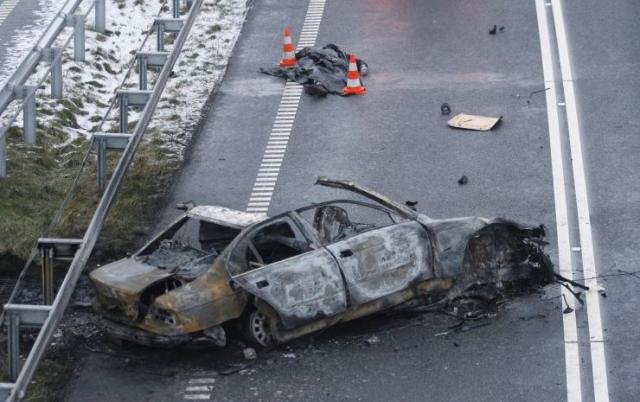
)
(40, 175)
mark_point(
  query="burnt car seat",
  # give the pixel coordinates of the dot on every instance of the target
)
(332, 223)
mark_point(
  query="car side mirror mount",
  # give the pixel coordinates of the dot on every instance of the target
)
(185, 206)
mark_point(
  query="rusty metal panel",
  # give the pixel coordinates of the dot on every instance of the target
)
(301, 288)
(384, 261)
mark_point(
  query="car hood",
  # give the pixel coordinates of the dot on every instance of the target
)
(128, 276)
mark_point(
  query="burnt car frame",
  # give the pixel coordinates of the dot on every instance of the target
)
(282, 277)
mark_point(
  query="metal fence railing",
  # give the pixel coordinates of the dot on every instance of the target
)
(14, 88)
(47, 316)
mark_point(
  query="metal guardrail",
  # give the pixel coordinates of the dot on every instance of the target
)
(157, 64)
(47, 317)
(15, 89)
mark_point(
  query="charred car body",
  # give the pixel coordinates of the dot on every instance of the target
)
(307, 269)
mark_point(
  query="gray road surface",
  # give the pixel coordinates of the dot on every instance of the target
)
(395, 140)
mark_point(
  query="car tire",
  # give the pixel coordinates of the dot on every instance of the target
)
(257, 330)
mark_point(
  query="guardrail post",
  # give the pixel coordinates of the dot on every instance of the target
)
(27, 93)
(147, 60)
(56, 73)
(46, 255)
(3, 153)
(159, 37)
(13, 343)
(105, 142)
(77, 22)
(54, 56)
(128, 98)
(166, 25)
(51, 250)
(101, 163)
(100, 13)
(142, 71)
(176, 8)
(124, 112)
(20, 315)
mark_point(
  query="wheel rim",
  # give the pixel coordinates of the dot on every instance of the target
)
(259, 327)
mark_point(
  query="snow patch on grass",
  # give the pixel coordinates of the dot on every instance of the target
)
(38, 176)
(26, 38)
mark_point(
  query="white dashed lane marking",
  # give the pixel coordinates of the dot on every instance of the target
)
(199, 389)
(276, 148)
(274, 153)
(5, 9)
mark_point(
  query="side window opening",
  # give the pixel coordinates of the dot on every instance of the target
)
(214, 237)
(341, 220)
(267, 244)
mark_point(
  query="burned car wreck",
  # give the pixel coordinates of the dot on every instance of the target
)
(282, 277)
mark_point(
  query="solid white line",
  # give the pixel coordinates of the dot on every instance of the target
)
(598, 360)
(197, 396)
(571, 350)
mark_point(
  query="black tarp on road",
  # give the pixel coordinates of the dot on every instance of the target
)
(320, 70)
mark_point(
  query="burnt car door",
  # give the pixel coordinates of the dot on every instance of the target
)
(379, 252)
(276, 262)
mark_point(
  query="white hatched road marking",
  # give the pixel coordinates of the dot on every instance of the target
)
(269, 170)
(198, 397)
(5, 9)
(199, 389)
(596, 342)
(202, 381)
(274, 153)
(571, 350)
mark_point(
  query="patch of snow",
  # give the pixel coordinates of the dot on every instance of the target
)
(90, 86)
(26, 38)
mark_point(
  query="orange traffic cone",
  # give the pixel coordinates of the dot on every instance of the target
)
(354, 85)
(288, 55)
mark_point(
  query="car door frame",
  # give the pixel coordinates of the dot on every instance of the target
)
(419, 262)
(319, 291)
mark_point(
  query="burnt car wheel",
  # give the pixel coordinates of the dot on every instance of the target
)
(257, 329)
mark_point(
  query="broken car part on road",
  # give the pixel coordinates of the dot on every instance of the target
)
(473, 122)
(304, 270)
(321, 71)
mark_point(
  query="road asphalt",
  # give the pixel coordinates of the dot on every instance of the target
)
(395, 140)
